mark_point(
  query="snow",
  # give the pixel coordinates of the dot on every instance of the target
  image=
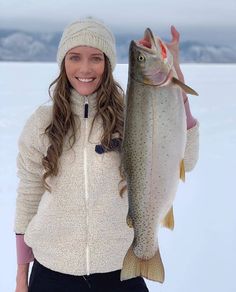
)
(199, 255)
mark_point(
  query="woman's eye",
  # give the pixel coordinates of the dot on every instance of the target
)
(97, 59)
(74, 58)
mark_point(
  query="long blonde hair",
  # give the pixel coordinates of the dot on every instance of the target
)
(110, 106)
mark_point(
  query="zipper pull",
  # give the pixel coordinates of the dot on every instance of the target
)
(86, 109)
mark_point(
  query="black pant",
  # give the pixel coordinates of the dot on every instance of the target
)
(43, 279)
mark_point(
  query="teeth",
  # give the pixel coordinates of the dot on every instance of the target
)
(85, 80)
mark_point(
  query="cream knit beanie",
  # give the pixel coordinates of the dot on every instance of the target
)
(88, 32)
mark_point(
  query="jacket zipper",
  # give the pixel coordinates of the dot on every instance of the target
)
(87, 281)
(86, 181)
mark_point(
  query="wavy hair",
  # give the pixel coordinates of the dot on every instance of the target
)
(110, 106)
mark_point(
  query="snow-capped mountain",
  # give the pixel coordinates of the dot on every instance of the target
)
(27, 46)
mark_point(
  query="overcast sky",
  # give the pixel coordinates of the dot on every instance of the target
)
(201, 17)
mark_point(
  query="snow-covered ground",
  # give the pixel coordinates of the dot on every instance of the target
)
(199, 255)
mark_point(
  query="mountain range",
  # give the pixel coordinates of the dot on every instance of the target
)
(18, 45)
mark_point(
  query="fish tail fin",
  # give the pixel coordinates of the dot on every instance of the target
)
(168, 220)
(151, 269)
(182, 170)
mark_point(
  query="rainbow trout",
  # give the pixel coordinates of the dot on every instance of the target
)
(152, 155)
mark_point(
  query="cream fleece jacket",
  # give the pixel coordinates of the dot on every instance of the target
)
(80, 228)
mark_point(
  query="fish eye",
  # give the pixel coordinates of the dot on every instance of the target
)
(141, 58)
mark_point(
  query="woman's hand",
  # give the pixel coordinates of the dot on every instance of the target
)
(173, 46)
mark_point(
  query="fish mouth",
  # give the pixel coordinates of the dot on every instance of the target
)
(148, 42)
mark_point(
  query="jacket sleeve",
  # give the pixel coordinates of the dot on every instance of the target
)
(191, 153)
(192, 142)
(29, 171)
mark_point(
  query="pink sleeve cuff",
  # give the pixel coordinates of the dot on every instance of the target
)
(23, 251)
(191, 121)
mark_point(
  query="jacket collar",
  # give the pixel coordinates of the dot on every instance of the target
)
(78, 103)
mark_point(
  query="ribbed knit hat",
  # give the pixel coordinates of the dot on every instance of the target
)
(88, 32)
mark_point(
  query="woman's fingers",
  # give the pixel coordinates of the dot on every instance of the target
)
(173, 46)
(175, 34)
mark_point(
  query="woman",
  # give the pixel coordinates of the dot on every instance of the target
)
(70, 214)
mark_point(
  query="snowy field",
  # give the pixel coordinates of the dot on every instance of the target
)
(199, 255)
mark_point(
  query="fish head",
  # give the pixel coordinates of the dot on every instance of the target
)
(150, 61)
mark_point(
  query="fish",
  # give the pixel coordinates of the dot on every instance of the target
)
(152, 151)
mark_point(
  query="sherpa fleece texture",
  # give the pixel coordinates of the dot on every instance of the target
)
(81, 226)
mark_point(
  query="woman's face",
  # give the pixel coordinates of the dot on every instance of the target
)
(84, 68)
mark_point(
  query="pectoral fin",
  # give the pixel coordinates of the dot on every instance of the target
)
(185, 87)
(129, 221)
(168, 220)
